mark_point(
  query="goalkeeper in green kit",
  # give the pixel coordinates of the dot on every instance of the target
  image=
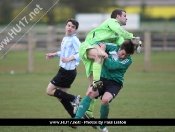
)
(110, 31)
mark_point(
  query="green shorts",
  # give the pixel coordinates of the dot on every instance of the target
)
(83, 54)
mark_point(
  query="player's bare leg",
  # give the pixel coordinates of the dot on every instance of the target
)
(65, 98)
(97, 55)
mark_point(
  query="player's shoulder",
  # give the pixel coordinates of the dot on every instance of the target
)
(75, 38)
(109, 20)
(126, 61)
(112, 20)
(130, 58)
(112, 45)
(73, 35)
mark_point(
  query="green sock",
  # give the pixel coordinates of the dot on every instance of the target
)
(91, 108)
(104, 111)
(83, 106)
(96, 71)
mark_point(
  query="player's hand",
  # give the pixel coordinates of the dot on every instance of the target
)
(64, 59)
(135, 40)
(138, 47)
(104, 54)
(50, 56)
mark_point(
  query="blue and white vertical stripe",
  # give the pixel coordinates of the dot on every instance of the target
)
(69, 47)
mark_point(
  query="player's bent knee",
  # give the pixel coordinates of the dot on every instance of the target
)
(92, 54)
(105, 102)
(99, 54)
(50, 89)
(92, 94)
(49, 92)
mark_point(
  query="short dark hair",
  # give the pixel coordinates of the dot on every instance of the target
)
(117, 12)
(128, 46)
(74, 22)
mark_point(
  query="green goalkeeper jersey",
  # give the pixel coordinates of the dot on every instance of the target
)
(109, 31)
(114, 68)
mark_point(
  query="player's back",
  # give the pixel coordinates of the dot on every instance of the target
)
(102, 32)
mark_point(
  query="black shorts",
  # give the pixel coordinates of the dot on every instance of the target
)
(64, 78)
(109, 86)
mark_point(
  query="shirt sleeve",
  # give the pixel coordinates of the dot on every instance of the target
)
(115, 26)
(58, 54)
(117, 64)
(76, 44)
(111, 47)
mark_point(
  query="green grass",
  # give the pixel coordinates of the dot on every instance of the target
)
(146, 94)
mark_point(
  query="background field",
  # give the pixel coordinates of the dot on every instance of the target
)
(145, 94)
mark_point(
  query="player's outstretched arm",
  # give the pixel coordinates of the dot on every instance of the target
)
(50, 56)
(115, 26)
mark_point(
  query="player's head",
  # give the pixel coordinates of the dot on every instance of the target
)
(71, 26)
(74, 22)
(120, 16)
(126, 49)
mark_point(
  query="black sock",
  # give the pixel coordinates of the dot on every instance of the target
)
(63, 95)
(68, 106)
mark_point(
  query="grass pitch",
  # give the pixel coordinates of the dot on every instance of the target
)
(146, 94)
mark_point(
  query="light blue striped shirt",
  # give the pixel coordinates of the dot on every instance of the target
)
(69, 47)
